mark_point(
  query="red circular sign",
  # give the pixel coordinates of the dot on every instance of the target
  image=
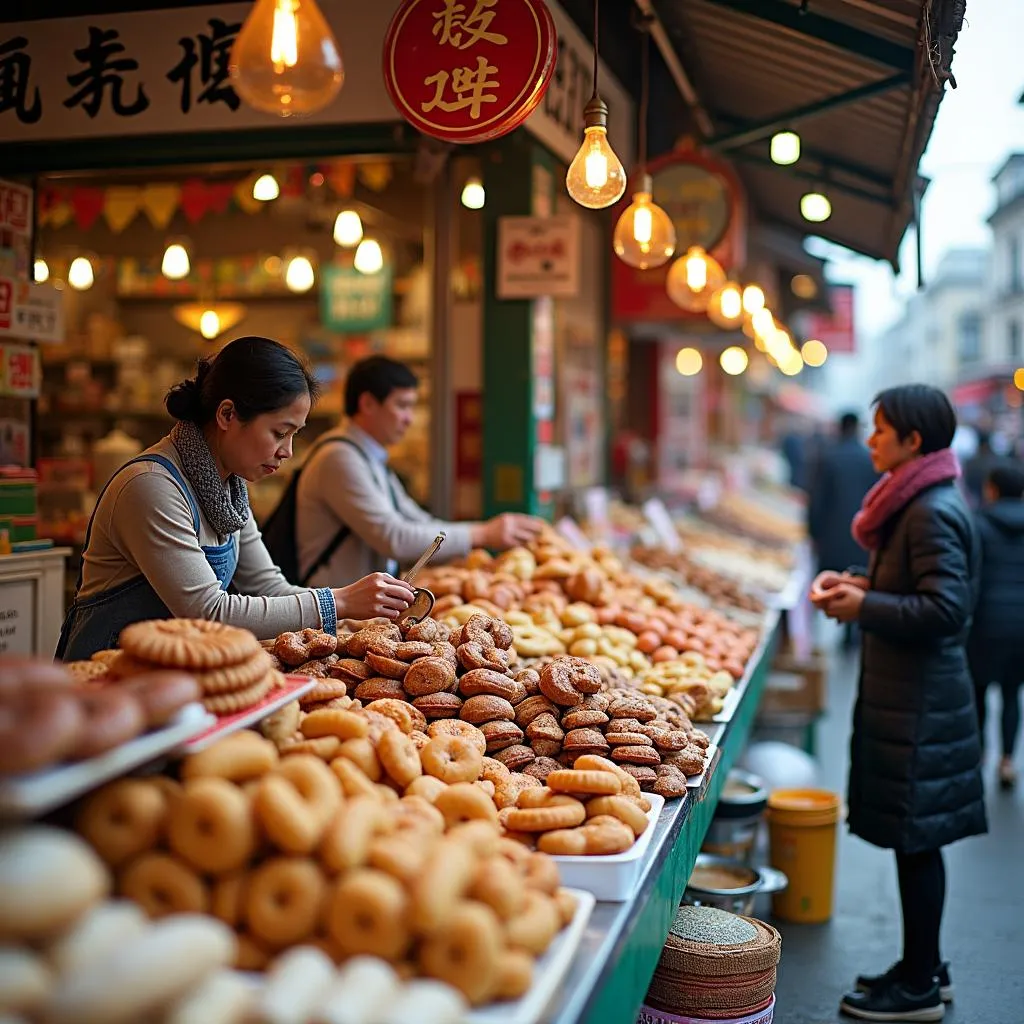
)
(469, 70)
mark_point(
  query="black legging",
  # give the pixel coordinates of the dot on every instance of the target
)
(922, 878)
(1009, 691)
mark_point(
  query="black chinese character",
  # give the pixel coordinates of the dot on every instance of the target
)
(15, 67)
(101, 72)
(212, 59)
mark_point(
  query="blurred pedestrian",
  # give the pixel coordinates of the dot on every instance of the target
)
(915, 756)
(994, 648)
(977, 468)
(845, 474)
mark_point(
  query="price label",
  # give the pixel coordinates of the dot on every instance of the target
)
(661, 522)
(571, 531)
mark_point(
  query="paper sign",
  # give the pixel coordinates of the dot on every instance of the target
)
(31, 312)
(661, 522)
(571, 531)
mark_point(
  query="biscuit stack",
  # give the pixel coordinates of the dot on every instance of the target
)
(232, 669)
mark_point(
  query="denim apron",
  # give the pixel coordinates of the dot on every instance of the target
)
(95, 623)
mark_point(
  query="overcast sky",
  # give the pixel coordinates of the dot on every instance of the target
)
(978, 126)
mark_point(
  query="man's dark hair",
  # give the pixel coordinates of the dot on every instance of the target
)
(922, 408)
(379, 376)
(849, 424)
(1008, 479)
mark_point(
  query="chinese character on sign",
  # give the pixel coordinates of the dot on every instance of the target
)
(101, 72)
(471, 88)
(16, 209)
(212, 61)
(454, 27)
(15, 67)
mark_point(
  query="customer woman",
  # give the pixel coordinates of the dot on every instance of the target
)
(172, 530)
(915, 779)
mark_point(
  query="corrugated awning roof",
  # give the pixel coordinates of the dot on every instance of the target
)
(860, 80)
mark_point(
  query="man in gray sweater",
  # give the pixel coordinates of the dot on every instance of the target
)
(346, 482)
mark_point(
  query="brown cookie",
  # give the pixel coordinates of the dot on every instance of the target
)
(429, 675)
(325, 689)
(484, 682)
(529, 709)
(351, 670)
(628, 739)
(671, 782)
(672, 741)
(547, 748)
(515, 758)
(689, 760)
(640, 710)
(583, 718)
(545, 727)
(585, 741)
(378, 687)
(500, 735)
(644, 775)
(478, 710)
(390, 668)
(439, 705)
(542, 768)
(624, 725)
(239, 700)
(643, 756)
(411, 650)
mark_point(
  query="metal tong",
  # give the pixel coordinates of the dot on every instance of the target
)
(423, 601)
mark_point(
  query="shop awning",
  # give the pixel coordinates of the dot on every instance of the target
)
(860, 80)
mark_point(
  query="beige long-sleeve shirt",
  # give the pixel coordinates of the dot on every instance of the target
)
(341, 486)
(143, 526)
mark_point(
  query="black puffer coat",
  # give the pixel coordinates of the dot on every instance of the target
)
(999, 617)
(915, 755)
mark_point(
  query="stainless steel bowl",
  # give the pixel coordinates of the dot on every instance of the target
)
(738, 899)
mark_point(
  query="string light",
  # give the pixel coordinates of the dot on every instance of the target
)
(299, 275)
(175, 264)
(265, 188)
(40, 271)
(734, 360)
(815, 207)
(80, 274)
(785, 148)
(473, 194)
(689, 362)
(814, 352)
(369, 258)
(348, 229)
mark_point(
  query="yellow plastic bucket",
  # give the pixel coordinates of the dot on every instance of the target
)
(802, 835)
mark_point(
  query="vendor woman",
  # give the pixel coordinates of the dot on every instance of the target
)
(172, 530)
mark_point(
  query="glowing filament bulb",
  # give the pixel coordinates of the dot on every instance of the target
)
(696, 272)
(209, 324)
(284, 42)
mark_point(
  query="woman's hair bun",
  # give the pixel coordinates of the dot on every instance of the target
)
(185, 400)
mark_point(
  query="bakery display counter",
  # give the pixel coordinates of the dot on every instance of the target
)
(623, 941)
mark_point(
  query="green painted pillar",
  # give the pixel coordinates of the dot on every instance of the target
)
(518, 336)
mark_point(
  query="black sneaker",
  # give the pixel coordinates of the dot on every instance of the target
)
(870, 982)
(893, 1002)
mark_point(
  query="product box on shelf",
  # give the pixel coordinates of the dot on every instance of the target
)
(796, 685)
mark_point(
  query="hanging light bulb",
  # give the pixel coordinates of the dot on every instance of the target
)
(265, 188)
(726, 306)
(785, 148)
(285, 60)
(791, 364)
(753, 299)
(644, 236)
(473, 194)
(369, 258)
(734, 360)
(209, 324)
(175, 264)
(596, 178)
(763, 323)
(40, 271)
(693, 279)
(80, 274)
(815, 207)
(348, 229)
(298, 275)
(814, 352)
(689, 362)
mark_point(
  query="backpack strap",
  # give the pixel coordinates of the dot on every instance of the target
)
(345, 531)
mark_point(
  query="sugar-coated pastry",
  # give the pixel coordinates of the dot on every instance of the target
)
(99, 933)
(25, 980)
(225, 997)
(426, 1002)
(363, 985)
(297, 983)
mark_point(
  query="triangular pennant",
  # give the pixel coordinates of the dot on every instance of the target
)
(243, 195)
(341, 176)
(160, 203)
(195, 200)
(375, 175)
(120, 205)
(87, 204)
(219, 194)
(60, 214)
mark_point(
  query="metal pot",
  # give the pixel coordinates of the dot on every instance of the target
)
(734, 828)
(710, 885)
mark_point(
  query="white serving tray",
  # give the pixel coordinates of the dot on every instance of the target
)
(730, 702)
(548, 973)
(696, 781)
(219, 727)
(25, 796)
(613, 878)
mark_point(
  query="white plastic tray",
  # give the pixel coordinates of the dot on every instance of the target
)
(696, 781)
(32, 795)
(614, 878)
(730, 702)
(225, 725)
(548, 974)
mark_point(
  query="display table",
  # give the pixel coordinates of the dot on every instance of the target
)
(622, 944)
(32, 602)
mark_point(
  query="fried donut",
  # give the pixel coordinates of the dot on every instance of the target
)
(594, 762)
(353, 781)
(37, 728)
(452, 759)
(123, 819)
(284, 897)
(111, 718)
(464, 801)
(446, 877)
(346, 843)
(487, 682)
(456, 727)
(515, 974)
(295, 803)
(499, 884)
(401, 712)
(467, 953)
(420, 810)
(227, 898)
(597, 783)
(346, 725)
(399, 757)
(296, 649)
(427, 787)
(239, 757)
(438, 705)
(619, 807)
(162, 885)
(540, 872)
(500, 735)
(494, 771)
(476, 655)
(362, 753)
(486, 708)
(548, 818)
(532, 707)
(367, 914)
(428, 631)
(211, 826)
(429, 675)
(357, 645)
(396, 856)
(383, 665)
(535, 927)
(487, 631)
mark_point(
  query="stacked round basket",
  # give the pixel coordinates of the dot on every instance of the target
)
(715, 966)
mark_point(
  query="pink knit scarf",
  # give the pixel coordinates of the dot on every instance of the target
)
(897, 489)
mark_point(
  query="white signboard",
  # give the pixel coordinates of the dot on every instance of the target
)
(30, 311)
(538, 256)
(661, 522)
(17, 617)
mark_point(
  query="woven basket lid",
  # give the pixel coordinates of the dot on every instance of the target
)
(738, 995)
(709, 942)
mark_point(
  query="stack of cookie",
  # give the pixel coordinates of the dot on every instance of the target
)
(231, 668)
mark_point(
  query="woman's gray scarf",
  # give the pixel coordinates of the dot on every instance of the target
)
(225, 505)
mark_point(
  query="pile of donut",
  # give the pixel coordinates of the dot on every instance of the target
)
(533, 721)
(292, 850)
(233, 673)
(49, 717)
(71, 955)
(720, 588)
